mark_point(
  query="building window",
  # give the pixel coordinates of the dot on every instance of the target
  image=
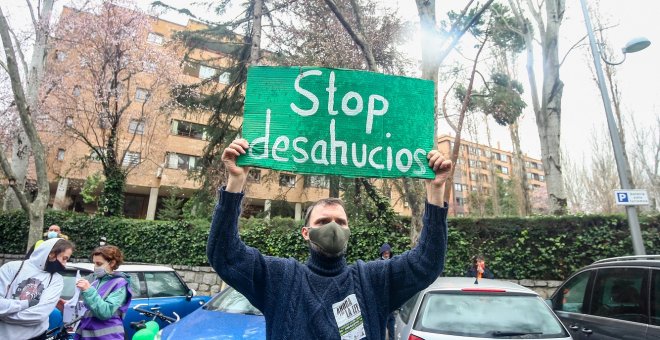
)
(149, 66)
(473, 151)
(68, 121)
(131, 158)
(181, 161)
(287, 180)
(76, 91)
(541, 178)
(206, 72)
(458, 187)
(254, 175)
(460, 201)
(141, 95)
(155, 38)
(315, 181)
(503, 169)
(136, 126)
(473, 176)
(473, 163)
(224, 77)
(188, 129)
(60, 154)
(60, 55)
(94, 156)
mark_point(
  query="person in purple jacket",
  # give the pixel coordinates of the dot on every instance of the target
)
(325, 298)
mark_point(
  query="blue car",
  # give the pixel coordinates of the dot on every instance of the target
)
(228, 315)
(152, 286)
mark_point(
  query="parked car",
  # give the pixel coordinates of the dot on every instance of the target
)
(614, 298)
(228, 315)
(458, 308)
(152, 286)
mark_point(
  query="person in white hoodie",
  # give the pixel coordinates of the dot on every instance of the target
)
(30, 289)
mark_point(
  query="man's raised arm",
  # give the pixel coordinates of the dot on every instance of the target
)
(242, 267)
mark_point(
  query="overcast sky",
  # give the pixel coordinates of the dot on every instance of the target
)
(582, 107)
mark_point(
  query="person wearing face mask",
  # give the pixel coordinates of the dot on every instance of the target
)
(325, 298)
(54, 231)
(107, 298)
(30, 289)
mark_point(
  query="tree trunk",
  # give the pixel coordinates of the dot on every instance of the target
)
(520, 171)
(27, 107)
(548, 109)
(255, 48)
(20, 158)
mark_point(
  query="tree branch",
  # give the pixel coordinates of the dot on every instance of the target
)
(457, 38)
(357, 36)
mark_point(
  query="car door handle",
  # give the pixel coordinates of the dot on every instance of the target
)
(587, 331)
(573, 327)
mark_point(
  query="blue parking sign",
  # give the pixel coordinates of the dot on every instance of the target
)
(631, 197)
(622, 197)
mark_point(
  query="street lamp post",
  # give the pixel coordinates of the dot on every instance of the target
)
(621, 164)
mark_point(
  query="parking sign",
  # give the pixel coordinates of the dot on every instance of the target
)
(631, 197)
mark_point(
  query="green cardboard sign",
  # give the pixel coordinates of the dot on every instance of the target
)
(351, 123)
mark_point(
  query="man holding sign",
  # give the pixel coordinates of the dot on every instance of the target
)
(325, 298)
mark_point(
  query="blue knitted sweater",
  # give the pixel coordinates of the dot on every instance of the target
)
(308, 301)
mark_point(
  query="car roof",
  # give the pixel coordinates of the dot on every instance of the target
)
(123, 268)
(459, 283)
(628, 261)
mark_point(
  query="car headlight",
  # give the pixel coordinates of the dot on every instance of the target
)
(159, 335)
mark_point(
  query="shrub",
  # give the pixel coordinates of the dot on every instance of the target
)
(515, 248)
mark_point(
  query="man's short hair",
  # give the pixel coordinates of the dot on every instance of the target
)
(322, 202)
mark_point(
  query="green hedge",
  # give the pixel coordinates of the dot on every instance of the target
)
(515, 248)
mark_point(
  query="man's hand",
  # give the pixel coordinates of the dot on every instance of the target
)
(442, 169)
(237, 174)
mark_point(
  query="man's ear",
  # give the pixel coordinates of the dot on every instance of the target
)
(304, 231)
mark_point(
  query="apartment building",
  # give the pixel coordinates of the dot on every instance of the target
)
(170, 143)
(475, 167)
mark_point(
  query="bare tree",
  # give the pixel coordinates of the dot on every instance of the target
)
(109, 90)
(26, 102)
(547, 102)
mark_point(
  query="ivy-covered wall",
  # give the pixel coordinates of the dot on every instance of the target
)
(542, 248)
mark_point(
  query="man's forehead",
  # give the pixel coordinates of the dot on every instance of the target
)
(328, 210)
(54, 227)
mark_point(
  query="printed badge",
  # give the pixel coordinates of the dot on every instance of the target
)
(349, 318)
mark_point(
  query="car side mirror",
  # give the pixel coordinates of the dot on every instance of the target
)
(191, 293)
(549, 303)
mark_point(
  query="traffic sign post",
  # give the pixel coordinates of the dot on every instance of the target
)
(631, 197)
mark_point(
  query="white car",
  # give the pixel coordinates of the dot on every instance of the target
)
(457, 308)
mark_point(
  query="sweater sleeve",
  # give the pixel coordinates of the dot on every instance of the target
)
(36, 314)
(101, 308)
(9, 305)
(417, 268)
(242, 267)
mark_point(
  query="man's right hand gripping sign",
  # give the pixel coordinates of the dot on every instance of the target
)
(325, 298)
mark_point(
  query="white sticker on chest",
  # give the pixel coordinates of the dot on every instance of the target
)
(349, 318)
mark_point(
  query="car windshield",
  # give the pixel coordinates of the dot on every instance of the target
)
(492, 315)
(231, 301)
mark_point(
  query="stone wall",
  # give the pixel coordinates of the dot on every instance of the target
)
(206, 282)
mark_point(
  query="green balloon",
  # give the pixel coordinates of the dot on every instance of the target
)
(152, 326)
(144, 334)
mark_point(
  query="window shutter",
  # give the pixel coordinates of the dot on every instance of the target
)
(175, 126)
(173, 160)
